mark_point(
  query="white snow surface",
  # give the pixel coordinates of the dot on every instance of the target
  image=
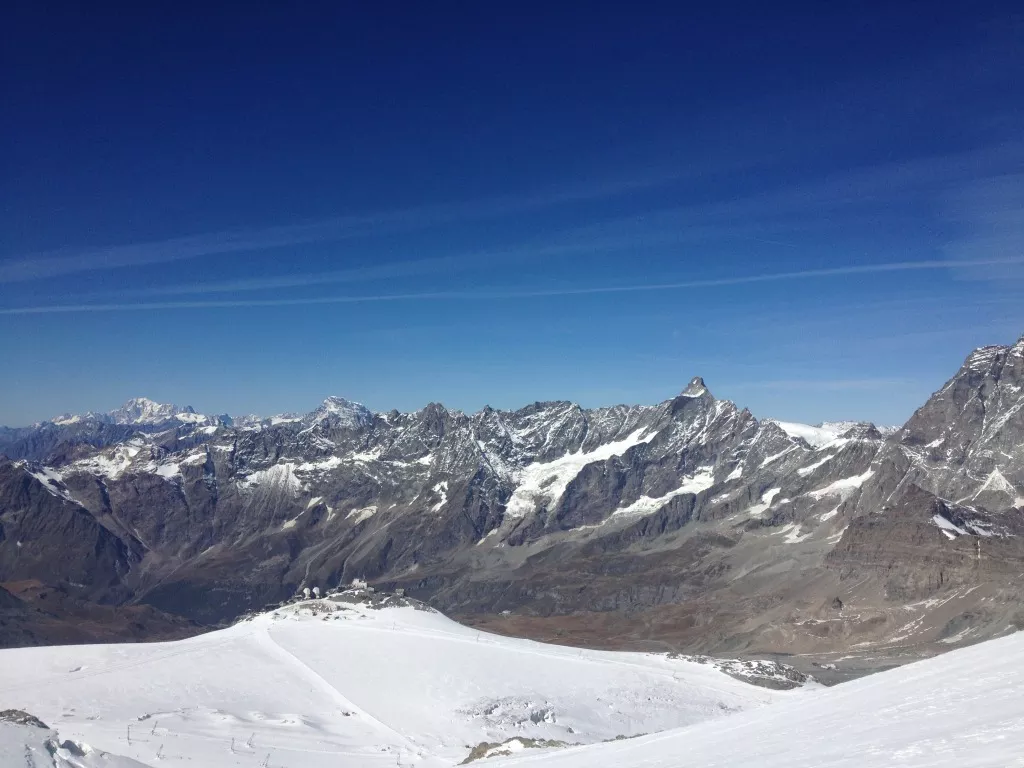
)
(278, 477)
(963, 709)
(52, 481)
(32, 747)
(804, 471)
(67, 419)
(320, 684)
(365, 513)
(815, 436)
(948, 527)
(545, 482)
(766, 501)
(699, 481)
(996, 482)
(324, 465)
(168, 470)
(441, 489)
(346, 412)
(842, 488)
(111, 462)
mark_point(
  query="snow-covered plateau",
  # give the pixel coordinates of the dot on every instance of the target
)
(334, 682)
(339, 683)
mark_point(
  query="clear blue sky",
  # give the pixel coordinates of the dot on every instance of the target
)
(816, 207)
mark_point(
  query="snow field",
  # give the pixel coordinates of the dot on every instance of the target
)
(327, 684)
(964, 709)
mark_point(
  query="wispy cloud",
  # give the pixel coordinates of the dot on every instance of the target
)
(417, 267)
(72, 261)
(490, 294)
(753, 218)
(988, 216)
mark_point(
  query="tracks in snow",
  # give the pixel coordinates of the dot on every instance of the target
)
(415, 751)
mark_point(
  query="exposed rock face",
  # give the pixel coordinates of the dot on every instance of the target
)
(18, 717)
(45, 535)
(688, 522)
(967, 442)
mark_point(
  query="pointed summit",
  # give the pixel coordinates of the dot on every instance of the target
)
(695, 388)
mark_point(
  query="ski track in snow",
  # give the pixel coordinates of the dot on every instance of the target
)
(289, 658)
(313, 685)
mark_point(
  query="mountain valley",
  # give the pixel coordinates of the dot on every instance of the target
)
(687, 526)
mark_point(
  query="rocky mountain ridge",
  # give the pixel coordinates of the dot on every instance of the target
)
(689, 523)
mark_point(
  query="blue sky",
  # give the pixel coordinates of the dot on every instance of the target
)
(817, 210)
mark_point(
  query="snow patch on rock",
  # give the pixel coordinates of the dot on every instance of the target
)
(543, 483)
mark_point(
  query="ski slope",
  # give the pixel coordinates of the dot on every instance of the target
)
(323, 683)
(964, 709)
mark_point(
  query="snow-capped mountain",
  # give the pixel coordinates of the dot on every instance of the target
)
(141, 410)
(137, 411)
(688, 521)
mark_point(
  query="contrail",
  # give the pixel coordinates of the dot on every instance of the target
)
(900, 266)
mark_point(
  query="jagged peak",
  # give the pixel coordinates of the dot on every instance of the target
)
(696, 388)
(986, 353)
(863, 430)
(983, 357)
(347, 411)
(433, 409)
(339, 400)
(337, 404)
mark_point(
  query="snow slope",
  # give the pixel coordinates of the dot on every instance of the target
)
(30, 747)
(964, 709)
(323, 683)
(815, 436)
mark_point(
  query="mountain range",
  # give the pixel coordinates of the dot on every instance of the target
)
(686, 525)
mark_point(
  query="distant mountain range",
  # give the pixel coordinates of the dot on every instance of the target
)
(688, 524)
